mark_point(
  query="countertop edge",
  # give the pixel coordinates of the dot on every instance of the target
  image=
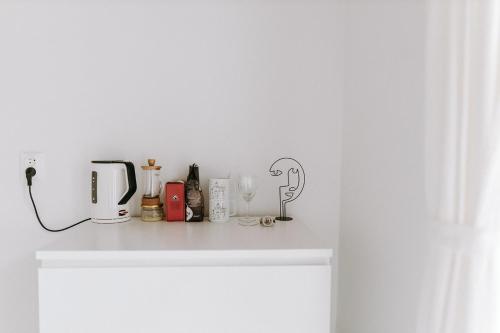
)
(180, 254)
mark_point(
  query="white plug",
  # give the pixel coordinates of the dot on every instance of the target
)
(31, 160)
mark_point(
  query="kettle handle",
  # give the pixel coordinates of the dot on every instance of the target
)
(131, 181)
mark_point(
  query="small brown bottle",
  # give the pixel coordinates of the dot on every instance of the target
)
(195, 206)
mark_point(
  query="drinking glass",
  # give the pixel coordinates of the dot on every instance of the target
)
(247, 187)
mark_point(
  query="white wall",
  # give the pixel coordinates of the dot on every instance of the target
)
(230, 85)
(382, 167)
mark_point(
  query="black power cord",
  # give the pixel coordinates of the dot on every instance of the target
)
(30, 173)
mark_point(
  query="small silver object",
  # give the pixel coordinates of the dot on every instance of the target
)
(267, 221)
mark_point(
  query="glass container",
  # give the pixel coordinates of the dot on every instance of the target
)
(152, 213)
(152, 182)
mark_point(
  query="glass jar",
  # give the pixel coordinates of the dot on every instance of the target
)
(152, 213)
(152, 182)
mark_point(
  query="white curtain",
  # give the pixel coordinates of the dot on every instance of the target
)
(461, 291)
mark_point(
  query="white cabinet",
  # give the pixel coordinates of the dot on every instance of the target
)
(185, 278)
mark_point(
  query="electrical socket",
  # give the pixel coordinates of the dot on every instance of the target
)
(32, 159)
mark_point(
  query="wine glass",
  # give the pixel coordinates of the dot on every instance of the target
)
(247, 187)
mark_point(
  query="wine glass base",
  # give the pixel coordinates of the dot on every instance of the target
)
(247, 221)
(284, 218)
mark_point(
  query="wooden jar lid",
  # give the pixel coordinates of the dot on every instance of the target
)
(146, 201)
(151, 165)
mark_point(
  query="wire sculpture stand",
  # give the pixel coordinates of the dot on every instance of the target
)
(294, 184)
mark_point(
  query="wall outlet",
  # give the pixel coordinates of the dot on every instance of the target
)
(34, 160)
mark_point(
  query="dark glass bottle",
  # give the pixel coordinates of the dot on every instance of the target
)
(194, 196)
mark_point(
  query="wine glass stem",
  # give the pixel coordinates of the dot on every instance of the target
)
(248, 209)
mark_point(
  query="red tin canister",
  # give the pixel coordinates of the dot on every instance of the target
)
(175, 204)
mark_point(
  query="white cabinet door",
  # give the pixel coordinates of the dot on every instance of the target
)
(229, 299)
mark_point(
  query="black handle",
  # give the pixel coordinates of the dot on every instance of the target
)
(132, 184)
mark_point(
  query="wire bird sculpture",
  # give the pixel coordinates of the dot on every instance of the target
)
(294, 179)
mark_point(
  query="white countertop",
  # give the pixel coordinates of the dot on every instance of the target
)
(160, 240)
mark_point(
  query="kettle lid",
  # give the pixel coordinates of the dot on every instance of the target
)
(107, 162)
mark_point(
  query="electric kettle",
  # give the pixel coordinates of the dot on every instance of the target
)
(113, 185)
